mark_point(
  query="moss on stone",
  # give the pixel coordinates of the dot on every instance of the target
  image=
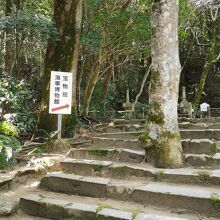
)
(215, 198)
(159, 149)
(102, 206)
(98, 152)
(96, 168)
(204, 176)
(146, 139)
(134, 213)
(159, 175)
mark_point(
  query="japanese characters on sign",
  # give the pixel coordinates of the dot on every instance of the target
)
(60, 92)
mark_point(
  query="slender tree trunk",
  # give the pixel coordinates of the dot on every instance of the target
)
(141, 90)
(162, 141)
(209, 63)
(61, 55)
(78, 87)
(90, 86)
(10, 56)
(107, 78)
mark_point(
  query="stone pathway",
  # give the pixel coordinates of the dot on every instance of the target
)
(109, 180)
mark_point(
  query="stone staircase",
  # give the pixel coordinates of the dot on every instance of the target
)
(110, 180)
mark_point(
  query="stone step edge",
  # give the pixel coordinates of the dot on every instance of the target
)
(96, 137)
(109, 183)
(109, 154)
(56, 208)
(203, 160)
(141, 132)
(113, 139)
(199, 176)
(201, 199)
(110, 149)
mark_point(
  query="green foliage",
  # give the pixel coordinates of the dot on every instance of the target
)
(16, 100)
(42, 7)
(10, 141)
(8, 145)
(8, 129)
(30, 25)
(215, 198)
(37, 150)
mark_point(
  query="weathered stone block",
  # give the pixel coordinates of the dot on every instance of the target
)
(29, 204)
(143, 216)
(201, 146)
(185, 145)
(52, 208)
(118, 191)
(128, 155)
(112, 214)
(7, 208)
(81, 211)
(91, 186)
(62, 183)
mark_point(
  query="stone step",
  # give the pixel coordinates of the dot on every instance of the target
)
(5, 182)
(101, 142)
(111, 154)
(190, 197)
(199, 199)
(212, 120)
(131, 171)
(128, 122)
(111, 128)
(195, 146)
(196, 126)
(74, 184)
(122, 128)
(199, 146)
(212, 134)
(53, 208)
(203, 160)
(121, 135)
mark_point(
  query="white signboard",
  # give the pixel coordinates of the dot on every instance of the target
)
(60, 92)
(204, 107)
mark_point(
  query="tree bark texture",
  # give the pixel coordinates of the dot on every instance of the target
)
(61, 55)
(162, 140)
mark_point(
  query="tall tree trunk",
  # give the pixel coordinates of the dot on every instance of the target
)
(162, 141)
(61, 55)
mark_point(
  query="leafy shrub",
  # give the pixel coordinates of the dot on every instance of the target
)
(8, 129)
(19, 98)
(8, 145)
